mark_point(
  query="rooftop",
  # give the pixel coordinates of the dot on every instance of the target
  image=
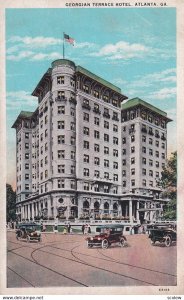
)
(139, 102)
(23, 115)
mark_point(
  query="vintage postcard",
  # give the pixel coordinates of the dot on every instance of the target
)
(92, 148)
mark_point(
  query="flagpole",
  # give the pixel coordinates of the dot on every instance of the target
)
(63, 46)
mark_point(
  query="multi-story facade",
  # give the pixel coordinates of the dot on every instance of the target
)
(71, 155)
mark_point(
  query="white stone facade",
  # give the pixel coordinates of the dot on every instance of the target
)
(71, 157)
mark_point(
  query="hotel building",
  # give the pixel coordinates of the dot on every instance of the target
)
(84, 153)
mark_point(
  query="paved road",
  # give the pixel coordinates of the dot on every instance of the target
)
(64, 260)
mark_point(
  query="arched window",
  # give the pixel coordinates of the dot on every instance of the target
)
(86, 204)
(106, 208)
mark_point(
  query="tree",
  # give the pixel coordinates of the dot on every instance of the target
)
(168, 182)
(10, 203)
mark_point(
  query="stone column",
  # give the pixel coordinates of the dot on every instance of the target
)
(137, 212)
(130, 211)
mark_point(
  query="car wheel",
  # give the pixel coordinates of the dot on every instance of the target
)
(168, 241)
(122, 242)
(28, 239)
(105, 244)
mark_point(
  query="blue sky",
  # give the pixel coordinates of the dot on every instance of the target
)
(134, 48)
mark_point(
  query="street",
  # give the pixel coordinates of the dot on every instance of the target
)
(64, 260)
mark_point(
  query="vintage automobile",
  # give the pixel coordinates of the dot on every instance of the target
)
(28, 232)
(163, 233)
(108, 234)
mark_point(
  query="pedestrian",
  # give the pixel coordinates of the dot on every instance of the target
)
(86, 229)
(65, 230)
(83, 227)
(71, 231)
(89, 228)
(69, 227)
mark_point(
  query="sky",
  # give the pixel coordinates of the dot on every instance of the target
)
(133, 48)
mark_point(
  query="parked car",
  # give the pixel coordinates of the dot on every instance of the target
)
(163, 233)
(28, 232)
(107, 235)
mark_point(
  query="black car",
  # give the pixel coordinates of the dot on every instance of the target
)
(108, 234)
(163, 233)
(28, 232)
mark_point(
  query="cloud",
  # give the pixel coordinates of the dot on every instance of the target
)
(84, 45)
(20, 55)
(121, 50)
(164, 93)
(18, 99)
(35, 42)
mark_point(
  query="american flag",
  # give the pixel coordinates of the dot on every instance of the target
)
(69, 39)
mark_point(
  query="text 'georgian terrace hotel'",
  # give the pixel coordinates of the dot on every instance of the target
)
(85, 154)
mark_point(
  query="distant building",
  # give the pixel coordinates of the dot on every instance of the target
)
(85, 154)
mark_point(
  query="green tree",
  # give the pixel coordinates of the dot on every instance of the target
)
(168, 182)
(10, 203)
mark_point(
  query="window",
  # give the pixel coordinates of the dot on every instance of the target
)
(106, 137)
(72, 169)
(46, 173)
(46, 119)
(163, 145)
(41, 137)
(157, 143)
(150, 151)
(124, 173)
(115, 177)
(61, 94)
(133, 149)
(96, 121)
(115, 140)
(163, 155)
(115, 128)
(97, 161)
(106, 175)
(86, 172)
(72, 112)
(46, 160)
(106, 163)
(124, 162)
(72, 155)
(86, 158)
(106, 150)
(144, 182)
(72, 140)
(143, 138)
(124, 183)
(61, 110)
(61, 168)
(106, 189)
(86, 117)
(133, 171)
(150, 141)
(151, 173)
(143, 171)
(86, 88)
(41, 124)
(144, 160)
(157, 174)
(124, 140)
(41, 175)
(61, 183)
(150, 162)
(26, 155)
(115, 165)
(163, 165)
(26, 135)
(26, 186)
(26, 146)
(27, 166)
(96, 93)
(157, 153)
(61, 124)
(60, 80)
(133, 182)
(86, 145)
(96, 148)
(61, 154)
(106, 124)
(115, 102)
(61, 139)
(115, 116)
(143, 149)
(132, 160)
(157, 164)
(72, 126)
(96, 134)
(26, 176)
(86, 186)
(97, 173)
(86, 130)
(115, 152)
(124, 128)
(151, 183)
(96, 187)
(132, 138)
